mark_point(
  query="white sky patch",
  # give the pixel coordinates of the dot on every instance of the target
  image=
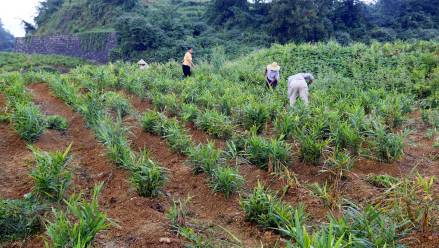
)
(12, 12)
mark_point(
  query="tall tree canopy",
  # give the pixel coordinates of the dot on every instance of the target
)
(6, 39)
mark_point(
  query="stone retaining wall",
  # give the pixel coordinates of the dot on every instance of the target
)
(69, 45)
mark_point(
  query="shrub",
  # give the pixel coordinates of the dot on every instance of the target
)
(267, 153)
(389, 146)
(51, 176)
(188, 112)
(28, 121)
(147, 176)
(150, 120)
(346, 137)
(269, 212)
(113, 136)
(78, 224)
(19, 219)
(226, 180)
(286, 125)
(57, 122)
(257, 204)
(311, 147)
(204, 158)
(178, 139)
(116, 102)
(166, 103)
(215, 124)
(255, 114)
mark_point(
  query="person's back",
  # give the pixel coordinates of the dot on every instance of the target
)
(298, 86)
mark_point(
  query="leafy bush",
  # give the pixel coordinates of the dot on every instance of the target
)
(150, 120)
(166, 103)
(389, 146)
(255, 114)
(226, 180)
(215, 124)
(19, 219)
(204, 158)
(51, 176)
(267, 153)
(147, 176)
(28, 121)
(113, 136)
(57, 122)
(178, 139)
(346, 137)
(189, 112)
(117, 103)
(311, 147)
(78, 224)
(269, 212)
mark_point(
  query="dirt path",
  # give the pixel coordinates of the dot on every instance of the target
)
(141, 221)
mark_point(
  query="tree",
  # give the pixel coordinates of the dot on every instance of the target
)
(223, 11)
(299, 20)
(6, 39)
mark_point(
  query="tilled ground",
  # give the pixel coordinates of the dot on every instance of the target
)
(142, 221)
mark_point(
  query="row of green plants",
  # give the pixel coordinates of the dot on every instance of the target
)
(349, 130)
(203, 157)
(357, 227)
(25, 116)
(97, 107)
(73, 221)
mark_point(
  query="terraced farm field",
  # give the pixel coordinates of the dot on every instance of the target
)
(114, 156)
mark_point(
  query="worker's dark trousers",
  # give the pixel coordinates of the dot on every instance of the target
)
(186, 70)
(271, 84)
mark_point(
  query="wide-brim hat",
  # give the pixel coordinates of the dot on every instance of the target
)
(273, 67)
(141, 62)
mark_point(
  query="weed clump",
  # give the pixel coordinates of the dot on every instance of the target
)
(28, 121)
(51, 176)
(57, 122)
(78, 224)
(19, 219)
(147, 176)
(226, 180)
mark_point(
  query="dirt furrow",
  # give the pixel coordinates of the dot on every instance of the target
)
(206, 206)
(141, 221)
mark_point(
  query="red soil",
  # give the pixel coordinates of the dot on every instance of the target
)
(141, 221)
(142, 226)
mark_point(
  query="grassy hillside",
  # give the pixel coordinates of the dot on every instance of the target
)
(355, 168)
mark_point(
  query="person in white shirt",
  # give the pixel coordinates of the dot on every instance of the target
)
(272, 75)
(298, 86)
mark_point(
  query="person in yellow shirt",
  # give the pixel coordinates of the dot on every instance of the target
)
(187, 63)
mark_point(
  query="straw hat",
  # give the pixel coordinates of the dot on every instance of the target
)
(273, 67)
(141, 62)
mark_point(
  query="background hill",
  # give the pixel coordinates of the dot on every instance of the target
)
(6, 39)
(160, 30)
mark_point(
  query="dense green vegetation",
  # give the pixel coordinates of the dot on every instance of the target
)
(161, 30)
(359, 107)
